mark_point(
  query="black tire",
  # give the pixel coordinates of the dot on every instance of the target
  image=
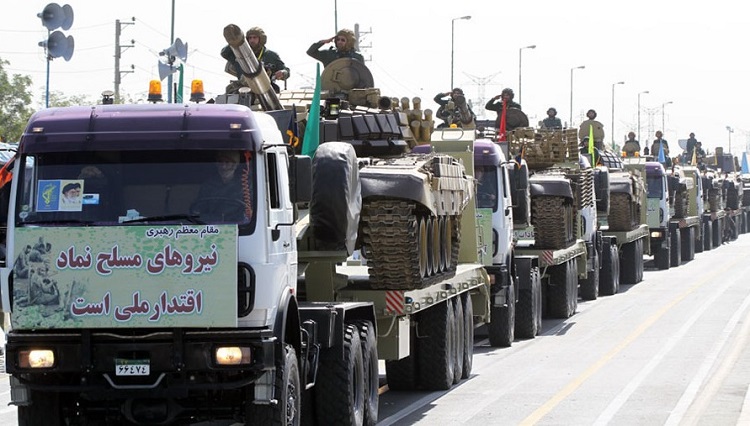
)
(43, 411)
(401, 374)
(458, 333)
(288, 390)
(609, 282)
(688, 244)
(675, 248)
(708, 235)
(529, 308)
(468, 361)
(502, 324)
(718, 232)
(589, 288)
(372, 376)
(662, 258)
(700, 237)
(640, 261)
(562, 297)
(435, 351)
(629, 266)
(340, 387)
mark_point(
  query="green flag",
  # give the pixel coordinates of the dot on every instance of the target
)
(312, 129)
(591, 145)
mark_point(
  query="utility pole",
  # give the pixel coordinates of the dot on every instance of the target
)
(481, 83)
(358, 35)
(118, 51)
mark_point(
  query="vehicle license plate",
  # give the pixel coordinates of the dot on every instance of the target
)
(132, 367)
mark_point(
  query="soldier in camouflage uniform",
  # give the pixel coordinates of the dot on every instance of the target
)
(271, 61)
(345, 48)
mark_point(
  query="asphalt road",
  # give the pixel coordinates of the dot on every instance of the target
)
(671, 350)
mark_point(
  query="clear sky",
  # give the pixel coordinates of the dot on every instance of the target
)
(691, 54)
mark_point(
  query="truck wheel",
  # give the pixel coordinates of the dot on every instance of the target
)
(609, 283)
(700, 238)
(529, 308)
(662, 258)
(688, 244)
(708, 235)
(503, 320)
(676, 248)
(401, 374)
(562, 297)
(718, 232)
(372, 376)
(632, 263)
(640, 262)
(340, 387)
(468, 342)
(590, 285)
(458, 338)
(287, 393)
(435, 351)
(44, 410)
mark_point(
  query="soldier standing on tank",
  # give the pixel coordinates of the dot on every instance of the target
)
(451, 103)
(585, 128)
(505, 97)
(345, 48)
(631, 146)
(658, 144)
(270, 60)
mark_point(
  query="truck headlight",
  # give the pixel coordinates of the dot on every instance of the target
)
(656, 234)
(232, 355)
(36, 358)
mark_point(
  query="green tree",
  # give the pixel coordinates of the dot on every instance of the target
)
(15, 101)
(59, 99)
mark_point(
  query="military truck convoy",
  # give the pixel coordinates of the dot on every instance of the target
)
(173, 264)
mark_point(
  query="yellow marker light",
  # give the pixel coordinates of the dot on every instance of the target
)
(233, 355)
(36, 358)
(196, 91)
(154, 91)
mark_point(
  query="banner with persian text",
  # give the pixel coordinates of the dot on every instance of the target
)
(126, 276)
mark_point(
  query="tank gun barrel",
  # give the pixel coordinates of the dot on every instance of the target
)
(253, 73)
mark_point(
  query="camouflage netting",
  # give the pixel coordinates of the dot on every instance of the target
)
(544, 148)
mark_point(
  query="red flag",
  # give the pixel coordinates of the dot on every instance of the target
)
(502, 137)
(6, 173)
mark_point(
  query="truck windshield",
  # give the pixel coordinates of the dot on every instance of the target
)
(112, 188)
(486, 181)
(655, 187)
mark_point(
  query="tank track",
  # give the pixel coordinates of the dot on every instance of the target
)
(624, 215)
(400, 249)
(680, 204)
(547, 213)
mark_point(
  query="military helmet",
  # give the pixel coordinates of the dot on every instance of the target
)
(257, 31)
(350, 39)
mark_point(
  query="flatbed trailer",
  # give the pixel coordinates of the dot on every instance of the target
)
(632, 245)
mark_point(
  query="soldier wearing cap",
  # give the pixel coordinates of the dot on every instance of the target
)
(345, 43)
(272, 63)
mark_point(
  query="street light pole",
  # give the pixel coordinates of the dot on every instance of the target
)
(571, 91)
(730, 130)
(453, 32)
(612, 131)
(533, 46)
(663, 126)
(639, 114)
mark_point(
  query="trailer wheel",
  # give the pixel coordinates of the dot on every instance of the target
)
(529, 308)
(503, 320)
(372, 376)
(468, 361)
(435, 351)
(700, 238)
(630, 261)
(458, 338)
(44, 410)
(401, 374)
(640, 262)
(562, 298)
(708, 235)
(590, 285)
(718, 232)
(609, 283)
(340, 387)
(688, 244)
(662, 258)
(287, 392)
(676, 248)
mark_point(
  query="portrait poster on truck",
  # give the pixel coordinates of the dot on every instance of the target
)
(125, 276)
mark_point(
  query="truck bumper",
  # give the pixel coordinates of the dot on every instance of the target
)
(182, 367)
